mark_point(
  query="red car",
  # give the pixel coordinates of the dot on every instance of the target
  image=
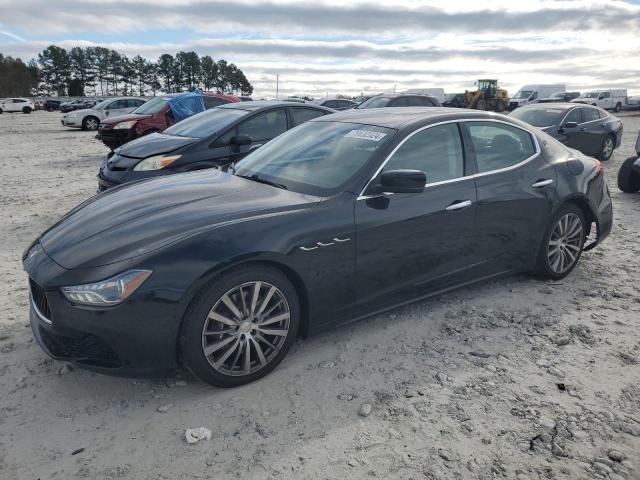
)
(153, 116)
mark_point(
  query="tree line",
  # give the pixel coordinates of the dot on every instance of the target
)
(101, 71)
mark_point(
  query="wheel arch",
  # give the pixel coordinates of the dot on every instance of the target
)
(194, 290)
(582, 202)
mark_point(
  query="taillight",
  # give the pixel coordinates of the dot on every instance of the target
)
(600, 167)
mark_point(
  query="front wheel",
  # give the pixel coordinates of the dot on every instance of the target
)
(481, 105)
(628, 178)
(562, 243)
(500, 106)
(90, 123)
(240, 326)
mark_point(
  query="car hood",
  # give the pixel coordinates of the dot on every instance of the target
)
(154, 144)
(111, 121)
(140, 217)
(84, 111)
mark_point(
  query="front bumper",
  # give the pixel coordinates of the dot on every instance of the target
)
(116, 138)
(137, 338)
(71, 122)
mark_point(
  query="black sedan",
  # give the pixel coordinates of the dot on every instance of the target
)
(343, 217)
(387, 100)
(589, 129)
(217, 137)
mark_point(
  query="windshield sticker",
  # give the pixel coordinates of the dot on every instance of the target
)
(366, 135)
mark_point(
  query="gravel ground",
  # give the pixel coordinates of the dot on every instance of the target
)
(514, 378)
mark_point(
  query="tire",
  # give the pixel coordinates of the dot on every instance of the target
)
(628, 179)
(606, 148)
(0, 111)
(220, 358)
(500, 106)
(481, 104)
(49, 109)
(26, 110)
(618, 107)
(90, 123)
(569, 244)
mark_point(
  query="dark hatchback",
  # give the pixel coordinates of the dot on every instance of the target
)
(390, 100)
(588, 129)
(215, 138)
(340, 218)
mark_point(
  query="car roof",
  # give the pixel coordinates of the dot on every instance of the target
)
(402, 94)
(400, 117)
(264, 104)
(556, 105)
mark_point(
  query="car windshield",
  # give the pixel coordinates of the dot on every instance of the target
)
(102, 104)
(316, 158)
(375, 102)
(539, 117)
(205, 124)
(523, 94)
(152, 106)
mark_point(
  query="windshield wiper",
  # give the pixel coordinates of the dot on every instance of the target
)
(259, 179)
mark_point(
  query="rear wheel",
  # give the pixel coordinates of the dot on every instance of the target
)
(90, 123)
(618, 107)
(628, 179)
(26, 110)
(606, 149)
(240, 326)
(562, 243)
(0, 111)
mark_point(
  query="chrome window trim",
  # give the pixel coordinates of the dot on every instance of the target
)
(465, 177)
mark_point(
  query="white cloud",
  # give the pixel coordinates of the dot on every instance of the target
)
(334, 46)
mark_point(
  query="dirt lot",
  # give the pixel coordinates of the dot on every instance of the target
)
(515, 378)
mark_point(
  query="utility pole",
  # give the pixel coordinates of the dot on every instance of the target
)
(277, 85)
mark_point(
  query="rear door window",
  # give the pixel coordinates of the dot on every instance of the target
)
(499, 145)
(301, 115)
(264, 126)
(589, 114)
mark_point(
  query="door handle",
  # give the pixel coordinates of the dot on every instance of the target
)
(458, 205)
(542, 183)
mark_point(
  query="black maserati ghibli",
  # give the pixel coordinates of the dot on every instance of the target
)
(340, 218)
(589, 129)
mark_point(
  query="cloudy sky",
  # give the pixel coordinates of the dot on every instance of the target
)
(354, 46)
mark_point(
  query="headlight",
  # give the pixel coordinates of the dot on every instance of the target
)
(156, 163)
(108, 292)
(125, 125)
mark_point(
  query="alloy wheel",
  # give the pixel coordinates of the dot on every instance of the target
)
(565, 243)
(607, 148)
(246, 328)
(91, 124)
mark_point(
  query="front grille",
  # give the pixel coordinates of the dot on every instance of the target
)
(87, 349)
(39, 299)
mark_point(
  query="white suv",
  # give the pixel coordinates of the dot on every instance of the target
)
(17, 105)
(89, 118)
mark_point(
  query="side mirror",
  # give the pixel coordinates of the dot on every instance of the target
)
(402, 181)
(570, 125)
(240, 140)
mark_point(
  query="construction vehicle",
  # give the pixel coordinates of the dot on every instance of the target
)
(487, 97)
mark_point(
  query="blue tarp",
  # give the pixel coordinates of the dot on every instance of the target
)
(186, 104)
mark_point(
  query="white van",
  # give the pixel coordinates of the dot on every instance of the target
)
(608, 98)
(432, 92)
(532, 93)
